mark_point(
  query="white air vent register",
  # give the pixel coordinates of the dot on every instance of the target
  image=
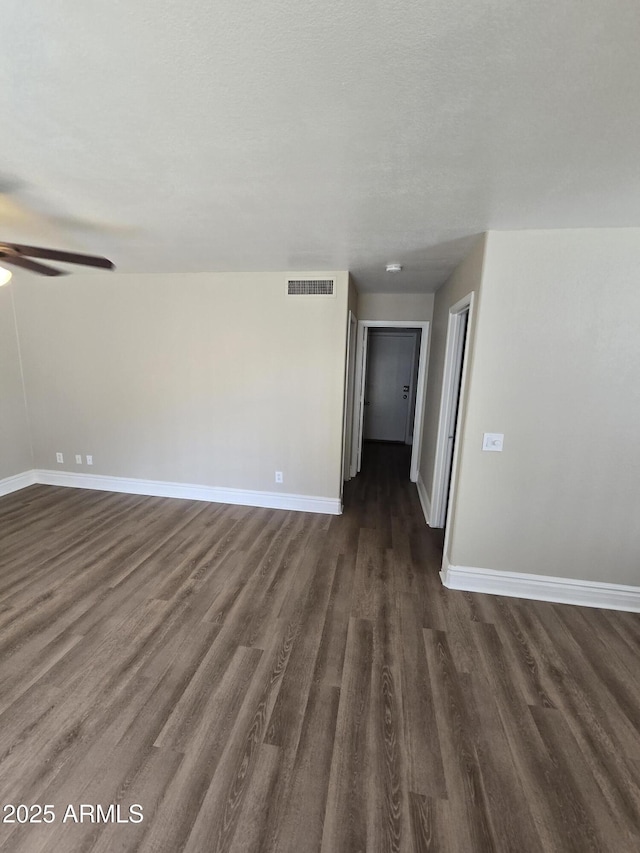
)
(310, 287)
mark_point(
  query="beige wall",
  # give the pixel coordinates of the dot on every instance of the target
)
(395, 306)
(15, 448)
(212, 379)
(556, 368)
(466, 278)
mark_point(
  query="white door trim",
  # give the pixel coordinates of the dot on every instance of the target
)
(409, 430)
(347, 427)
(359, 388)
(358, 396)
(449, 397)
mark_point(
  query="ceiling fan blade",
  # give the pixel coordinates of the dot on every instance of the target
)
(65, 257)
(26, 264)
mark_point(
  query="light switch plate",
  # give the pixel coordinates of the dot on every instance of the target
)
(493, 441)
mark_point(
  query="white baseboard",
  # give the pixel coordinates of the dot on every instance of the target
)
(610, 596)
(17, 482)
(188, 491)
(425, 503)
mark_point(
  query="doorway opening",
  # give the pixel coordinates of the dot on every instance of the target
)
(389, 387)
(450, 410)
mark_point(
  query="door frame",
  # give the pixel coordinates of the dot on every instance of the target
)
(408, 433)
(347, 426)
(453, 387)
(360, 383)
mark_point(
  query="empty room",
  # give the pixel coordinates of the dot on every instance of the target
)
(319, 416)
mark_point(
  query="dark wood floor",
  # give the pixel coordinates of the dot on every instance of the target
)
(264, 680)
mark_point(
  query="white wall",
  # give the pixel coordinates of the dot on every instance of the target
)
(212, 379)
(556, 368)
(15, 448)
(395, 306)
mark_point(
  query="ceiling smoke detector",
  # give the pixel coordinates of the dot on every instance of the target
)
(394, 267)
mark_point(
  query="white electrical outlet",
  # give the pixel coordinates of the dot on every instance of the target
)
(89, 459)
(59, 457)
(78, 459)
(279, 477)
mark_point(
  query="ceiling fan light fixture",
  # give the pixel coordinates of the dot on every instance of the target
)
(5, 276)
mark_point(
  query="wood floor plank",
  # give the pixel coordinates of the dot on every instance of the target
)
(287, 718)
(422, 744)
(330, 660)
(371, 583)
(203, 747)
(218, 816)
(388, 813)
(558, 824)
(518, 647)
(506, 804)
(582, 667)
(605, 747)
(345, 825)
(462, 773)
(252, 822)
(581, 796)
(285, 722)
(299, 826)
(614, 668)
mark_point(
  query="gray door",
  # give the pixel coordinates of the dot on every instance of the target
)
(389, 386)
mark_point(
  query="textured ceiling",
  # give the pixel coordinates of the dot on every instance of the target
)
(288, 134)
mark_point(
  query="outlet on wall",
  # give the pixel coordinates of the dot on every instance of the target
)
(279, 477)
(59, 457)
(89, 459)
(78, 459)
